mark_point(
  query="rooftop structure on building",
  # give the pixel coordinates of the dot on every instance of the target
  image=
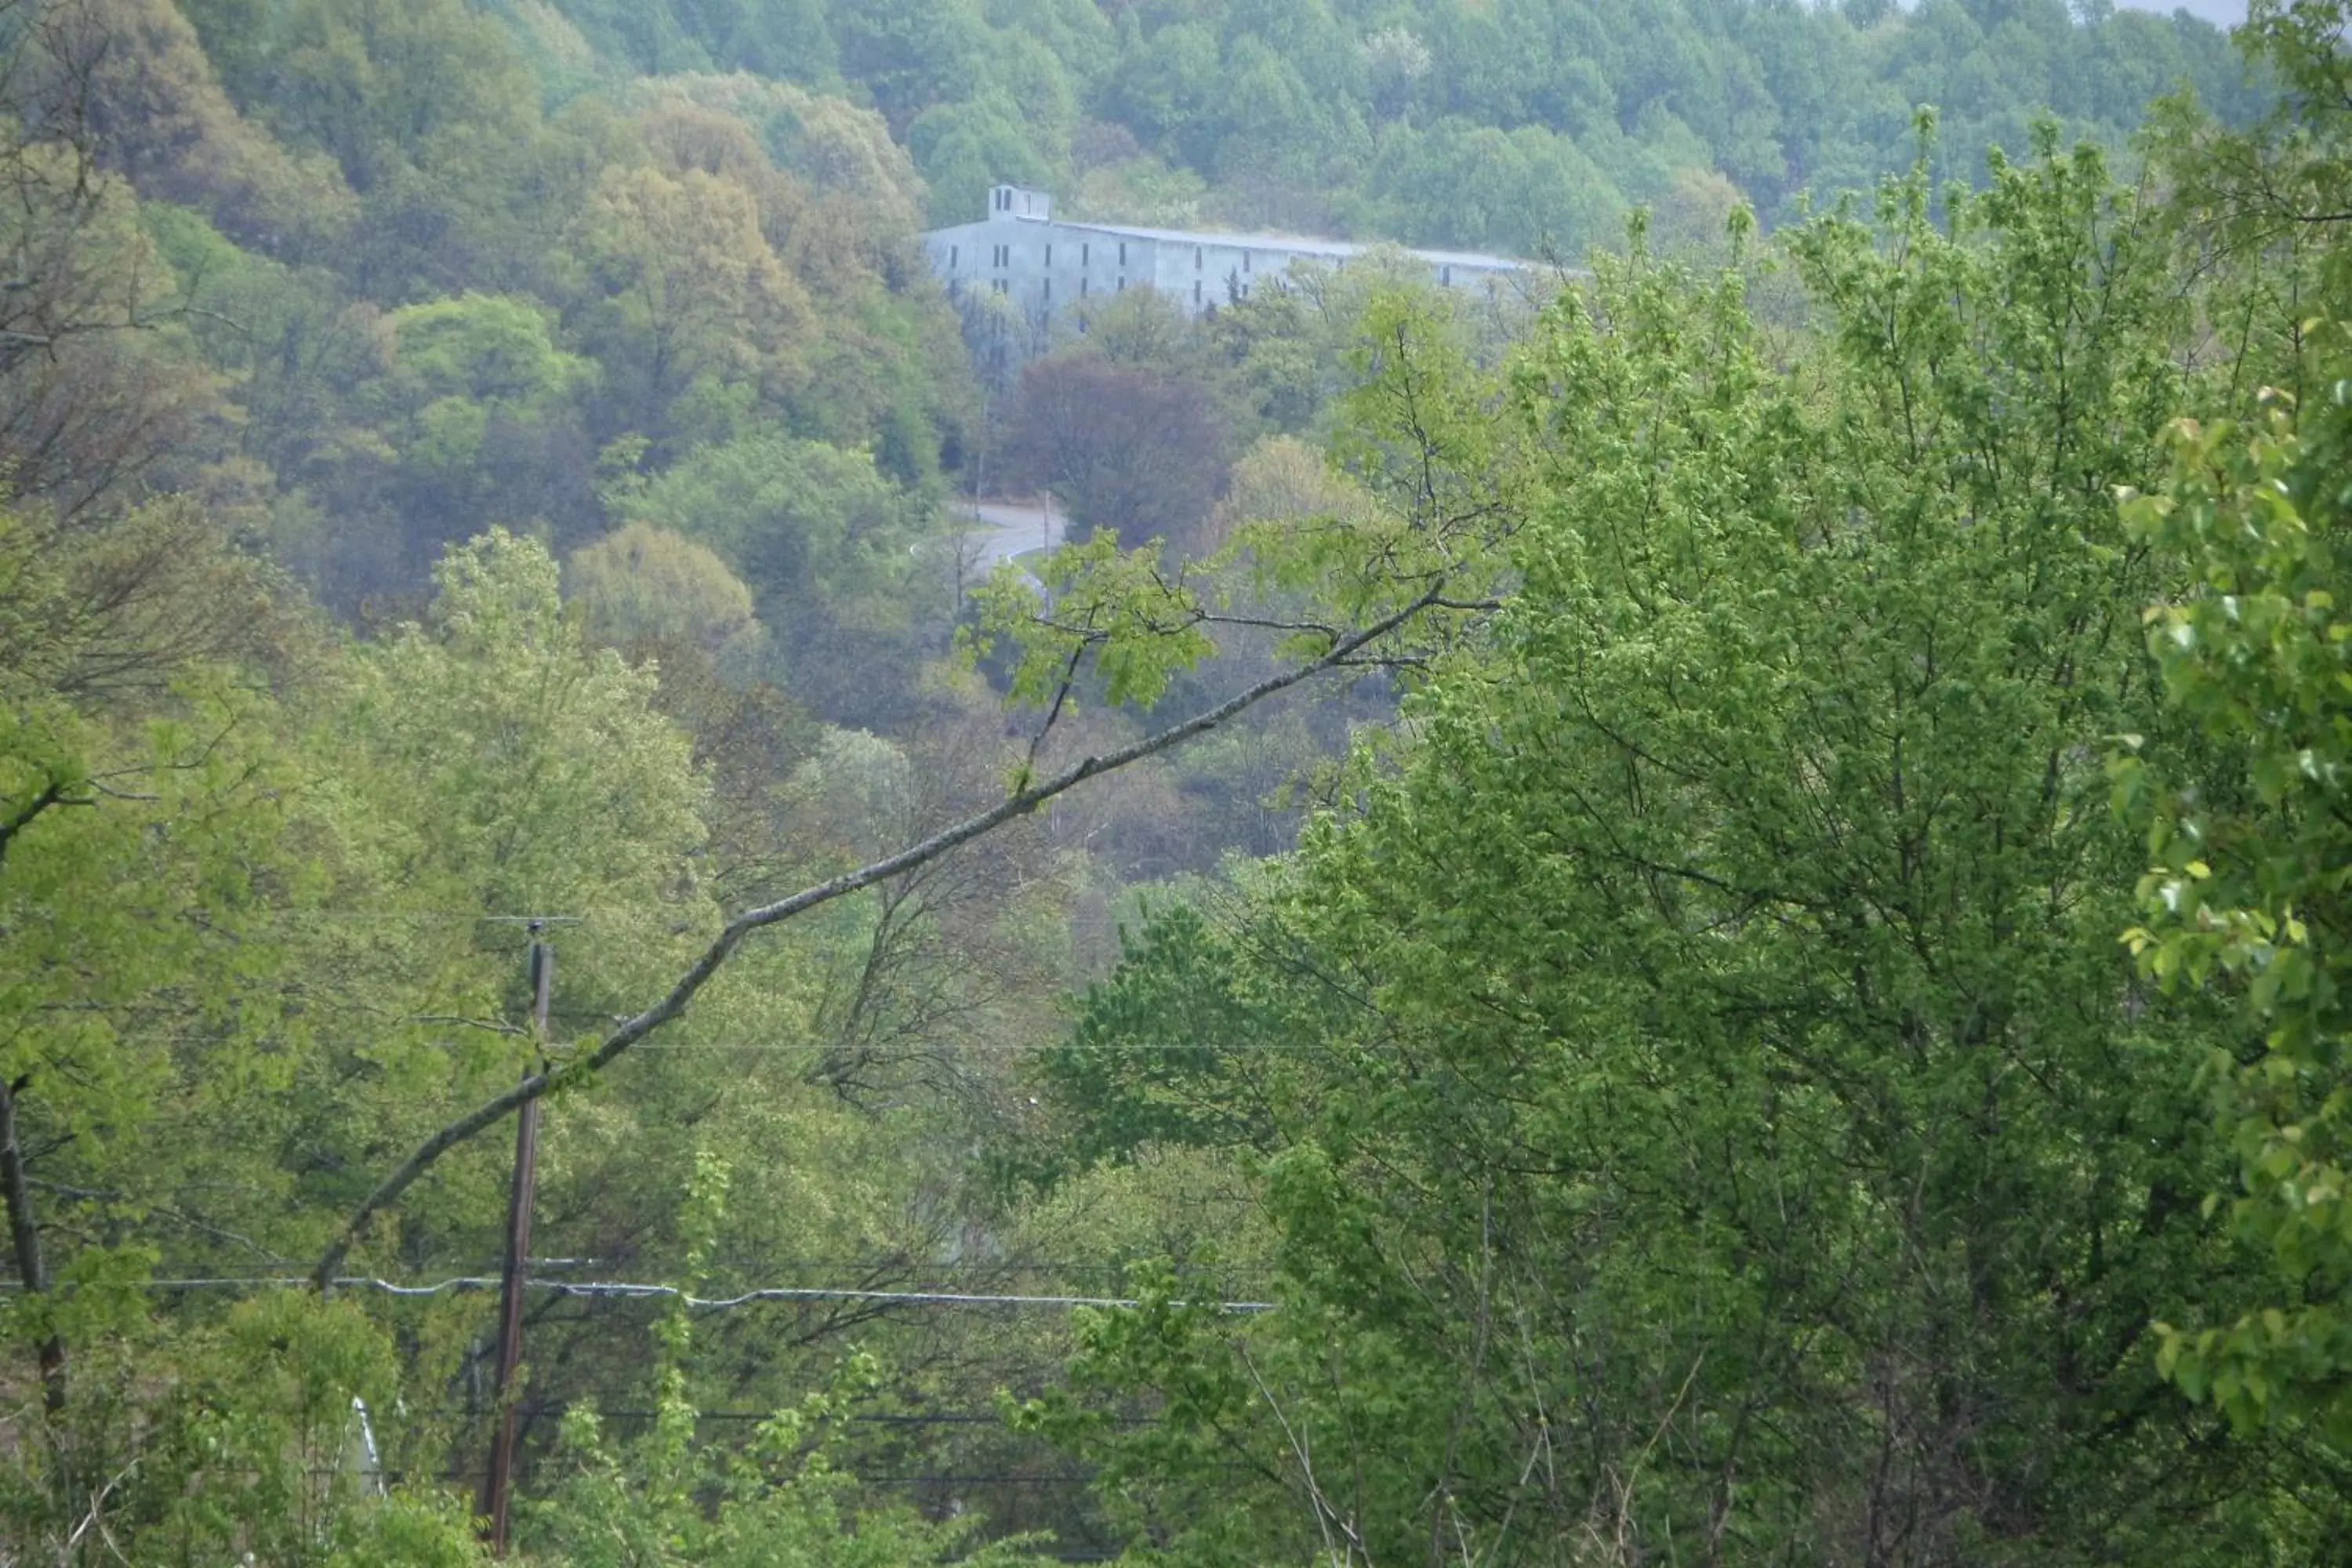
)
(1046, 269)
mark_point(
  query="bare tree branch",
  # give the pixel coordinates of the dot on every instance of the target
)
(1018, 803)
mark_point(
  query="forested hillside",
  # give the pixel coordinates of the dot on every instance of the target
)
(1695, 919)
(1508, 125)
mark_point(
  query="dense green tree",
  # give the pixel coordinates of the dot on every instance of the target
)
(1739, 1125)
(557, 789)
(802, 520)
(156, 110)
(911, 55)
(2242, 898)
(379, 86)
(484, 414)
(963, 149)
(2247, 889)
(641, 585)
(687, 290)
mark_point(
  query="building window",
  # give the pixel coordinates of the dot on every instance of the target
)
(951, 257)
(1196, 259)
(1122, 257)
(1049, 256)
(1084, 252)
(1122, 287)
(1246, 262)
(1082, 287)
(1196, 290)
(1049, 290)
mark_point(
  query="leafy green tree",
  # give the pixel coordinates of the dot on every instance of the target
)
(157, 108)
(965, 148)
(1740, 1124)
(2267, 199)
(382, 86)
(260, 1450)
(100, 398)
(2249, 847)
(1395, 581)
(1484, 189)
(144, 1005)
(645, 584)
(483, 411)
(912, 54)
(790, 41)
(807, 524)
(556, 788)
(1165, 89)
(687, 290)
(2241, 899)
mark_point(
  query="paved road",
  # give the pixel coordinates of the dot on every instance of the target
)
(1009, 527)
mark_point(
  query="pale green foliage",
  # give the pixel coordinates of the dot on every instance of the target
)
(798, 519)
(556, 785)
(263, 1438)
(242, 1442)
(1284, 480)
(692, 289)
(141, 989)
(488, 762)
(642, 583)
(492, 349)
(782, 1501)
(1108, 608)
(2252, 859)
(99, 886)
(841, 151)
(142, 851)
(854, 798)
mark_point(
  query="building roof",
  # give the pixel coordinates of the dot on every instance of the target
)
(1334, 249)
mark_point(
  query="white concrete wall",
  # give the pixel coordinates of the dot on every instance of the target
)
(1047, 270)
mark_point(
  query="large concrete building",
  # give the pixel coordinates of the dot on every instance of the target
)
(1045, 269)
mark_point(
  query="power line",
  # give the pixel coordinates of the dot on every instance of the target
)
(622, 1290)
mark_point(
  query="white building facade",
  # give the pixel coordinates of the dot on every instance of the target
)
(1046, 271)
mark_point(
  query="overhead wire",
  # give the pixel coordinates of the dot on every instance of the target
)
(632, 1290)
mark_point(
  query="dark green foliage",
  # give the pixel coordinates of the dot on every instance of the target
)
(1163, 1048)
(1742, 1125)
(1303, 114)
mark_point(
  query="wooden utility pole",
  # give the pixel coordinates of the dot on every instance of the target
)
(498, 1487)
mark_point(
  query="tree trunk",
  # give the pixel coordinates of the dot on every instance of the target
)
(25, 1237)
